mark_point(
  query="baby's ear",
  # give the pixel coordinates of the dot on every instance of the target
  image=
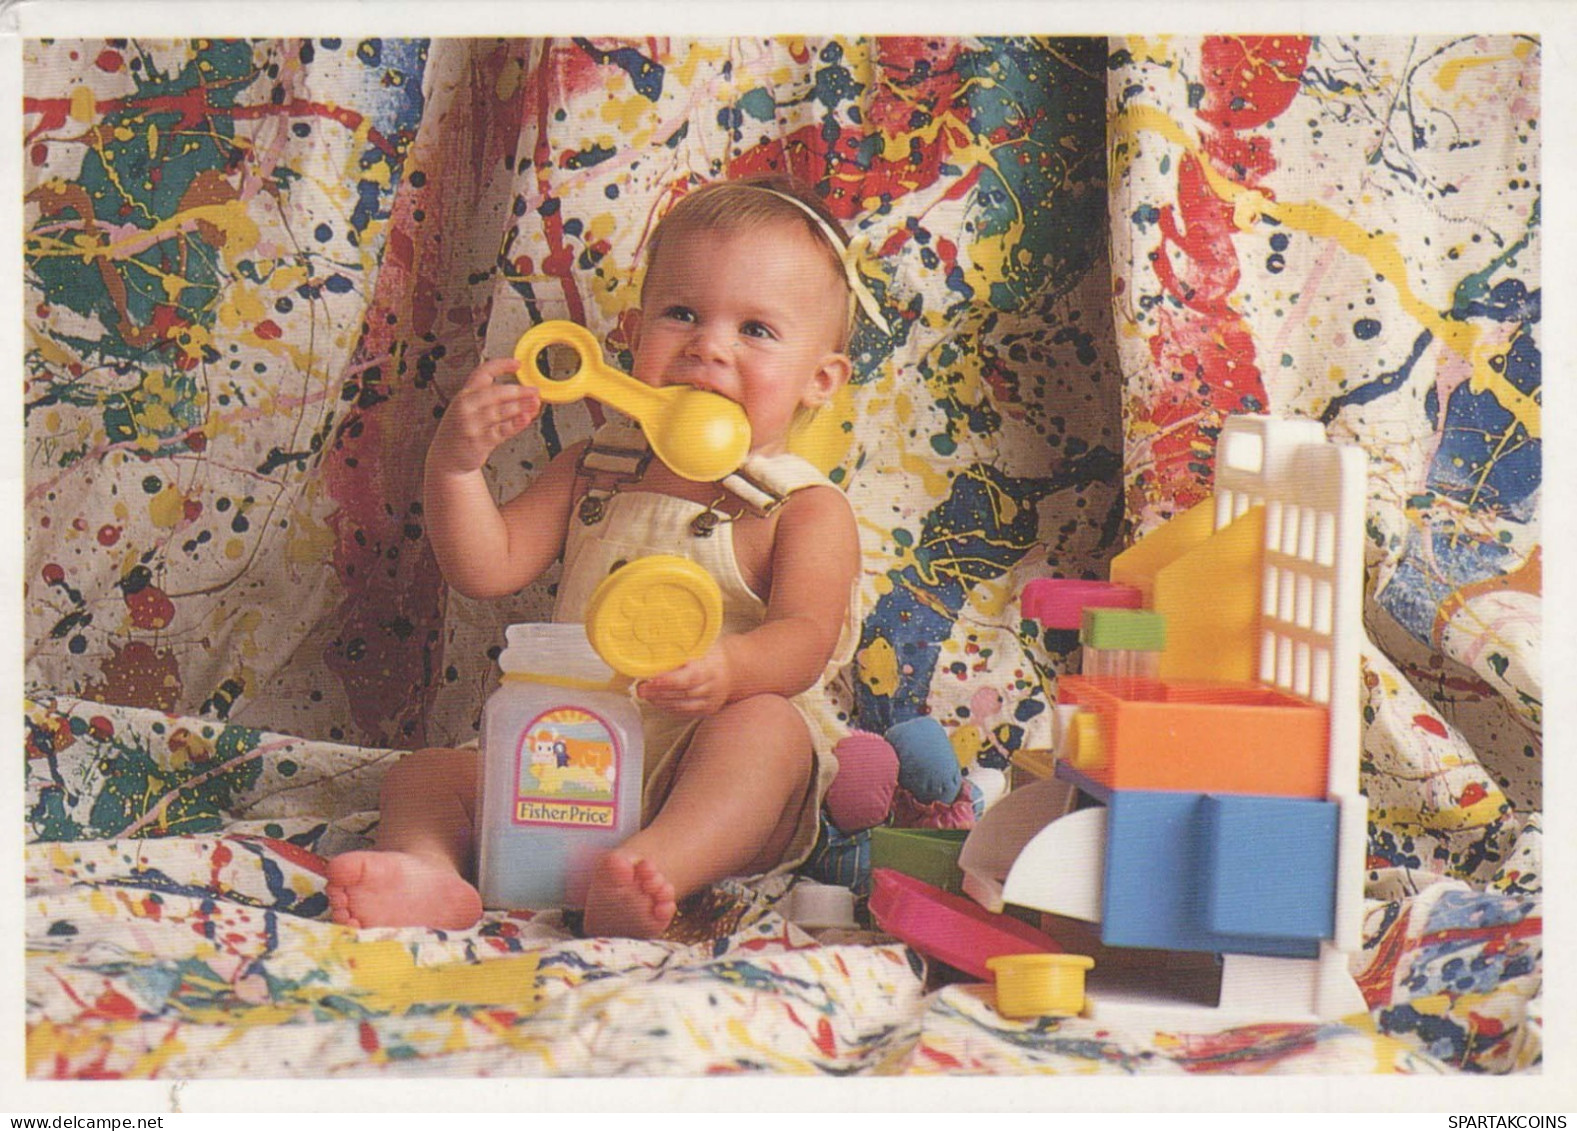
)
(832, 373)
(630, 327)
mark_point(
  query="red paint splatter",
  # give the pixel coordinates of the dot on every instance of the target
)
(1486, 1026)
(1497, 933)
(1473, 794)
(221, 856)
(310, 861)
(1379, 977)
(1432, 725)
(269, 330)
(940, 1057)
(914, 71)
(1250, 79)
(1261, 1045)
(108, 535)
(138, 673)
(113, 1005)
(109, 61)
(194, 108)
(53, 574)
(1206, 349)
(150, 608)
(824, 1038)
(368, 1037)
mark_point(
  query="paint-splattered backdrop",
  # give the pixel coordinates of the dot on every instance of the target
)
(1347, 228)
(255, 272)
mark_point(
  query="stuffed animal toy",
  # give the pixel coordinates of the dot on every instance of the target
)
(910, 774)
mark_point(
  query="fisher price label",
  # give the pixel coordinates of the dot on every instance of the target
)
(567, 771)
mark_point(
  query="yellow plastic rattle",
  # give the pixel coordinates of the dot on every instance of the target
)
(653, 615)
(700, 435)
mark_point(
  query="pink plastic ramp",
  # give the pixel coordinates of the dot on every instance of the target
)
(950, 928)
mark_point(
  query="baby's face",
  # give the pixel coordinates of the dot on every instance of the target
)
(755, 316)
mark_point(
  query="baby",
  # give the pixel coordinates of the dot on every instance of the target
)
(748, 293)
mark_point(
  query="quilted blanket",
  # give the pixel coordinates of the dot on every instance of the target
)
(255, 271)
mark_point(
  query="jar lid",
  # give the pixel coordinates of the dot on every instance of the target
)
(653, 615)
(552, 652)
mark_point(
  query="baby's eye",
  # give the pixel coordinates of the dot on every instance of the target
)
(680, 314)
(755, 329)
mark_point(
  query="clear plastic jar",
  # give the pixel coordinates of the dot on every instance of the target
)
(560, 779)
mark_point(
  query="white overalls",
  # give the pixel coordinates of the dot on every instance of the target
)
(611, 527)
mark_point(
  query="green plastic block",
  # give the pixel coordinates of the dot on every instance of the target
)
(1128, 630)
(926, 854)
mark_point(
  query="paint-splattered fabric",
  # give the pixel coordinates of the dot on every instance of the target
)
(176, 927)
(1347, 228)
(255, 271)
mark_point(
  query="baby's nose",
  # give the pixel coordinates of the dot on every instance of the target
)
(710, 342)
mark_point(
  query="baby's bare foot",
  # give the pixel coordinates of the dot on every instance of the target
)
(399, 889)
(628, 898)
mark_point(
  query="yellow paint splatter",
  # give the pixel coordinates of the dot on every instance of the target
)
(242, 306)
(310, 542)
(167, 507)
(626, 114)
(741, 1034)
(1379, 249)
(989, 261)
(1476, 816)
(47, 1041)
(385, 975)
(990, 597)
(878, 665)
(968, 741)
(695, 55)
(1453, 70)
(84, 107)
(934, 482)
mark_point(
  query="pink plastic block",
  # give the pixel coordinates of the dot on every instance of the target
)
(862, 792)
(1059, 602)
(950, 928)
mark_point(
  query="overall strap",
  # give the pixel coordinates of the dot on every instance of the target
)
(617, 455)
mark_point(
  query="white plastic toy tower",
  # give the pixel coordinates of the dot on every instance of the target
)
(1030, 850)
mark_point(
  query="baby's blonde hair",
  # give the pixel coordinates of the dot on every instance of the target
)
(731, 207)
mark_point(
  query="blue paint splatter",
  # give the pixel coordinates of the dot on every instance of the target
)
(646, 75)
(1423, 581)
(962, 542)
(1381, 385)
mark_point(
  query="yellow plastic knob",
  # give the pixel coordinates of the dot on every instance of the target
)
(1084, 749)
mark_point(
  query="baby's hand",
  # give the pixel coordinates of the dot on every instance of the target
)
(700, 687)
(482, 416)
